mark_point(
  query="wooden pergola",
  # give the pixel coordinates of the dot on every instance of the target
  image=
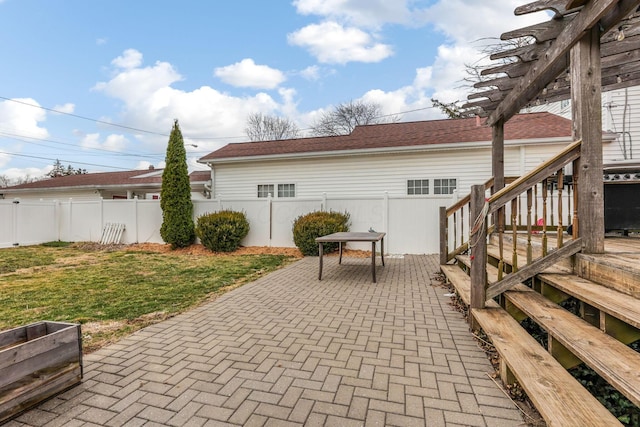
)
(588, 46)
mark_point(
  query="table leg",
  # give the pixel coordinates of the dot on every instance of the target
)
(373, 261)
(382, 250)
(340, 258)
(320, 253)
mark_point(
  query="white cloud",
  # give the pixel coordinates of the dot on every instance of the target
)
(331, 42)
(22, 173)
(311, 73)
(112, 142)
(151, 103)
(367, 13)
(247, 73)
(101, 41)
(442, 78)
(65, 108)
(21, 116)
(4, 158)
(130, 58)
(143, 164)
(465, 21)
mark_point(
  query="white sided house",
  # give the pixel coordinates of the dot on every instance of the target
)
(620, 116)
(141, 184)
(427, 159)
(390, 177)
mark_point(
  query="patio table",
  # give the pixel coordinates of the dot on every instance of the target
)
(344, 237)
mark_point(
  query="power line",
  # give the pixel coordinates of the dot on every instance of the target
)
(63, 160)
(21, 138)
(53, 110)
(83, 117)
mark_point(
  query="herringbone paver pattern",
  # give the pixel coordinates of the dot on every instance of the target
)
(289, 350)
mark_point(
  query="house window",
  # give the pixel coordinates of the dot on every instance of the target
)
(417, 186)
(264, 190)
(444, 186)
(286, 190)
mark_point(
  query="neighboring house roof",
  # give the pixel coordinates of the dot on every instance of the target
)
(394, 136)
(147, 178)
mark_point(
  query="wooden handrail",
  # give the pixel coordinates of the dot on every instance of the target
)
(546, 169)
(466, 199)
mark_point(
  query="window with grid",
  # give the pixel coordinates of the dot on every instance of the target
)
(444, 186)
(264, 190)
(286, 190)
(417, 186)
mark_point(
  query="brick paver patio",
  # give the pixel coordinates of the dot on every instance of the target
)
(290, 350)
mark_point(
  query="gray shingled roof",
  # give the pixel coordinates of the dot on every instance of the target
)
(143, 178)
(405, 134)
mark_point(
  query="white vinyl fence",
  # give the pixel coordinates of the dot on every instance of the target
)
(411, 223)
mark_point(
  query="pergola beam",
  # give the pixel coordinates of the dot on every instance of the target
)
(553, 62)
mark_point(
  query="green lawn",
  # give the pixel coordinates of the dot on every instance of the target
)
(113, 293)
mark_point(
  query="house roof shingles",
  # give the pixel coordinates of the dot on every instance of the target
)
(143, 178)
(405, 134)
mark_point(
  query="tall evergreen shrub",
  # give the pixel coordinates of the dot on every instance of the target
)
(177, 227)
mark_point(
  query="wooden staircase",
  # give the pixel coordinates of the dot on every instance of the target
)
(606, 290)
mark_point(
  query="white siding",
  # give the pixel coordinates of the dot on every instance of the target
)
(616, 119)
(372, 175)
(619, 120)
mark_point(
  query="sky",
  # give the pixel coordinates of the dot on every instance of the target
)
(97, 84)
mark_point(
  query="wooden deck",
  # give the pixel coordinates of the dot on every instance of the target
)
(607, 289)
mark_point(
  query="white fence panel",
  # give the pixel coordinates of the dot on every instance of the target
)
(411, 224)
(83, 221)
(365, 213)
(7, 223)
(149, 221)
(414, 225)
(257, 212)
(36, 223)
(284, 213)
(29, 222)
(121, 212)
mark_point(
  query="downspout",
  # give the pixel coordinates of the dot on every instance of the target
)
(210, 186)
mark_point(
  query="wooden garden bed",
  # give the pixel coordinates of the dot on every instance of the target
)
(37, 361)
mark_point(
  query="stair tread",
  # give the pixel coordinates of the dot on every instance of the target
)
(625, 261)
(611, 359)
(462, 283)
(558, 396)
(615, 303)
(460, 280)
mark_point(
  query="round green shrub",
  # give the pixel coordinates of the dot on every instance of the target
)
(222, 231)
(307, 228)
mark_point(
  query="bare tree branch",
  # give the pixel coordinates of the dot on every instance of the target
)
(345, 117)
(474, 74)
(269, 128)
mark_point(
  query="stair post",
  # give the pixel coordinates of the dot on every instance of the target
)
(478, 246)
(586, 96)
(444, 236)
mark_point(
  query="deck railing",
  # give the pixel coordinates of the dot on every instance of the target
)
(543, 202)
